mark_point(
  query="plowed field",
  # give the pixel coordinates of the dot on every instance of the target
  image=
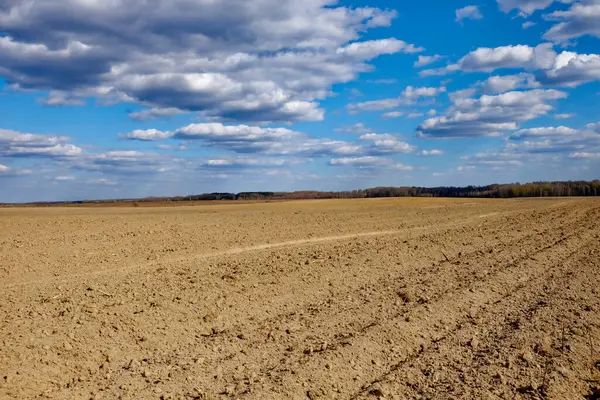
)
(336, 299)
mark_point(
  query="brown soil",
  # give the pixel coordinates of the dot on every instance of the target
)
(352, 299)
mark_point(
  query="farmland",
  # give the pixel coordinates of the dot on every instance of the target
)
(329, 299)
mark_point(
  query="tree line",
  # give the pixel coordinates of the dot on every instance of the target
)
(533, 189)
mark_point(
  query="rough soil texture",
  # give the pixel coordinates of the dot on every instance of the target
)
(352, 299)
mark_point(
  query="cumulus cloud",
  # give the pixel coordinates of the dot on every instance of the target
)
(525, 7)
(468, 12)
(386, 143)
(567, 69)
(410, 95)
(486, 59)
(571, 69)
(582, 18)
(146, 135)
(426, 60)
(19, 144)
(554, 140)
(373, 48)
(267, 60)
(547, 131)
(504, 83)
(245, 139)
(490, 115)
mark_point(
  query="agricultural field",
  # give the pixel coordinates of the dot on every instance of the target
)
(323, 299)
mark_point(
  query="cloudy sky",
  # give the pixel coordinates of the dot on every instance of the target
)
(130, 98)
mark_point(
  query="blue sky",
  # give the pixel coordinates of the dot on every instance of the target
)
(116, 99)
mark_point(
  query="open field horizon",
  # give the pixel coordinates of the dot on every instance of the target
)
(555, 189)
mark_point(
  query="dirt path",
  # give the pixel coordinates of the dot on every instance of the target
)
(382, 299)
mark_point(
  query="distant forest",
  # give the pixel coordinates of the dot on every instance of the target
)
(534, 189)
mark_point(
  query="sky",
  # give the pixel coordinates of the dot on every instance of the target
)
(135, 98)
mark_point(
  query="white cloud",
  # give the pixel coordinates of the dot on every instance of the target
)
(146, 135)
(58, 98)
(19, 144)
(468, 12)
(526, 7)
(432, 112)
(559, 140)
(393, 114)
(490, 115)
(375, 105)
(102, 181)
(243, 162)
(485, 59)
(545, 131)
(426, 60)
(519, 56)
(571, 69)
(439, 71)
(410, 95)
(586, 156)
(154, 113)
(126, 162)
(268, 60)
(415, 115)
(567, 69)
(431, 153)
(528, 24)
(8, 172)
(172, 147)
(369, 162)
(594, 127)
(62, 178)
(359, 128)
(505, 83)
(583, 18)
(386, 143)
(564, 116)
(245, 139)
(373, 48)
